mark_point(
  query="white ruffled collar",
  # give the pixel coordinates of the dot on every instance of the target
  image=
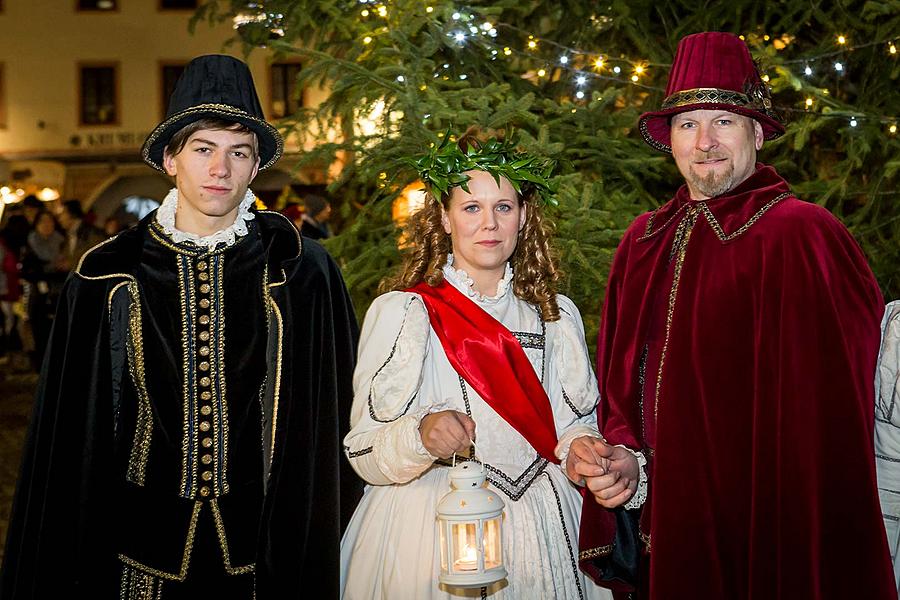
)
(165, 216)
(461, 281)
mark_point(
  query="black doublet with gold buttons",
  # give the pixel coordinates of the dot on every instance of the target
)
(198, 424)
(184, 384)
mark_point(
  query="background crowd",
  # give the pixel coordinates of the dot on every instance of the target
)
(41, 242)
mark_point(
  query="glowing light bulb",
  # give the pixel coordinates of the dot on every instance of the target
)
(532, 44)
(853, 122)
(564, 59)
(367, 40)
(893, 128)
(807, 70)
(382, 11)
(401, 78)
(459, 36)
(765, 78)
(365, 12)
(579, 94)
(455, 16)
(507, 51)
(838, 67)
(809, 102)
(841, 40)
(429, 9)
(541, 72)
(635, 78)
(639, 70)
(892, 49)
(599, 62)
(617, 70)
(581, 80)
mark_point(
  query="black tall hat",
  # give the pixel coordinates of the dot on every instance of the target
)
(214, 86)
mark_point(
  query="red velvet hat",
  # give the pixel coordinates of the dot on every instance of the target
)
(712, 70)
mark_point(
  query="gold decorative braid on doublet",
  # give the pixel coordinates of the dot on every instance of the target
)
(223, 542)
(137, 585)
(185, 559)
(190, 439)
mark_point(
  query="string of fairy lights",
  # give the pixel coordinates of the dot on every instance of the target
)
(551, 60)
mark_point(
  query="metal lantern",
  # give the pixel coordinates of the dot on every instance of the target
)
(469, 518)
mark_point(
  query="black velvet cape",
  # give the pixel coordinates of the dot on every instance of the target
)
(71, 509)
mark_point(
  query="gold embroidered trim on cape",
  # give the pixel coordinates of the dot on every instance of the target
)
(143, 431)
(717, 228)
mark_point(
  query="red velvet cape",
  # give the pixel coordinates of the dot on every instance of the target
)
(737, 349)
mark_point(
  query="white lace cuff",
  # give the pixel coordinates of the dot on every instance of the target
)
(399, 452)
(640, 494)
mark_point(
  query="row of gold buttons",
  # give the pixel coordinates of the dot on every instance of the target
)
(205, 381)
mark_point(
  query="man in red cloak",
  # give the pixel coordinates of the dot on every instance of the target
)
(736, 358)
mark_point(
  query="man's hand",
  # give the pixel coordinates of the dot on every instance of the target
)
(617, 486)
(583, 460)
(447, 432)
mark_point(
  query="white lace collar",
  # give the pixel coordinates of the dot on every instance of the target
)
(461, 281)
(165, 216)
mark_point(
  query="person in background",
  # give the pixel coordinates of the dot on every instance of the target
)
(315, 217)
(80, 235)
(44, 271)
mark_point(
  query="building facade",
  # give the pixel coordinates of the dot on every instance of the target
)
(82, 82)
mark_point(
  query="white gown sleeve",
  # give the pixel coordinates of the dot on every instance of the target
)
(571, 384)
(887, 429)
(384, 445)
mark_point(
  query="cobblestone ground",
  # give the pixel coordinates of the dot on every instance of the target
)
(17, 384)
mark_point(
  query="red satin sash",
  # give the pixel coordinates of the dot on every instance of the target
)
(489, 358)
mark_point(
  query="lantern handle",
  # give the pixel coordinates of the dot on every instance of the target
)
(474, 455)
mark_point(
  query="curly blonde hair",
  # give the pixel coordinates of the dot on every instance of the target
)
(534, 261)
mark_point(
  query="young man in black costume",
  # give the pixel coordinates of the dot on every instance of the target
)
(186, 438)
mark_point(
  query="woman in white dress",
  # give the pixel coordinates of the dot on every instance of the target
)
(485, 247)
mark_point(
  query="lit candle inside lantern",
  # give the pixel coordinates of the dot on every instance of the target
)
(469, 561)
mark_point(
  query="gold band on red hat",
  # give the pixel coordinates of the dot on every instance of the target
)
(717, 96)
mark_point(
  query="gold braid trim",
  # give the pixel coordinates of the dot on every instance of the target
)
(225, 111)
(137, 585)
(276, 312)
(679, 250)
(223, 542)
(711, 96)
(220, 425)
(595, 552)
(143, 432)
(186, 558)
(717, 228)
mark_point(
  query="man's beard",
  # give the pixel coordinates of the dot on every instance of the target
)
(715, 182)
